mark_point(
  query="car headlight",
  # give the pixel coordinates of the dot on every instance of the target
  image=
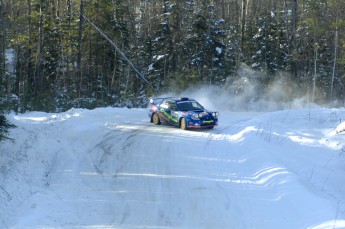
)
(195, 117)
(215, 114)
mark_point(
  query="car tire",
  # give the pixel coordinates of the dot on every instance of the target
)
(183, 124)
(155, 119)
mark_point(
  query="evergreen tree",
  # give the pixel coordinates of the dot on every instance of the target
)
(60, 62)
(5, 125)
(270, 43)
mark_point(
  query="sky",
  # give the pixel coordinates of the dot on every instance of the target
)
(112, 168)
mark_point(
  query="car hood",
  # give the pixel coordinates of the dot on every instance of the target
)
(204, 112)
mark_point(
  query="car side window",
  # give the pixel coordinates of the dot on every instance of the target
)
(164, 105)
(172, 106)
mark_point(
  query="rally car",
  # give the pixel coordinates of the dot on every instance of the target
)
(184, 112)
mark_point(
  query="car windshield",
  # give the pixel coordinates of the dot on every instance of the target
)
(189, 106)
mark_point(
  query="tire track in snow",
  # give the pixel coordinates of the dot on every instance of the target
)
(109, 150)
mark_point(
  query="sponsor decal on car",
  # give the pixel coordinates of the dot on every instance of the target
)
(168, 115)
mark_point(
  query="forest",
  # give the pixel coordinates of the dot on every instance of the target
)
(59, 54)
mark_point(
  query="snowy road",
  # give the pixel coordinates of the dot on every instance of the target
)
(111, 168)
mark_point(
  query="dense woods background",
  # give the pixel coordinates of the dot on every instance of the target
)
(53, 59)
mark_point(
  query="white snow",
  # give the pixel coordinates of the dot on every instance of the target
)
(150, 67)
(112, 168)
(340, 128)
(158, 57)
(255, 65)
(219, 50)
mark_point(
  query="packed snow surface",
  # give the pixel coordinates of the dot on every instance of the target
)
(112, 168)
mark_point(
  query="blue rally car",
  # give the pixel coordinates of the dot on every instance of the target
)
(181, 112)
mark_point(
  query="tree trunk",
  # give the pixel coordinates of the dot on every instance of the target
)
(293, 39)
(114, 11)
(315, 70)
(39, 61)
(335, 59)
(80, 32)
(29, 74)
(243, 22)
(58, 8)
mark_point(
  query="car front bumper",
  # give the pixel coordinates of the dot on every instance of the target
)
(198, 124)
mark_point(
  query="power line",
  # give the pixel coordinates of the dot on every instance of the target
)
(117, 49)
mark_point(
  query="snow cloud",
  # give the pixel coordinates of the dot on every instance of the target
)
(251, 90)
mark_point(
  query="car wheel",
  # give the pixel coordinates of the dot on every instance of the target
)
(183, 124)
(155, 119)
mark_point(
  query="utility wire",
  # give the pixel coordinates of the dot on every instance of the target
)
(117, 49)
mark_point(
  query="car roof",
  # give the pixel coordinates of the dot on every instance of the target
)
(180, 99)
(158, 100)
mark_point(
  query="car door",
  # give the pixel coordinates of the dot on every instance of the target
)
(173, 113)
(167, 111)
